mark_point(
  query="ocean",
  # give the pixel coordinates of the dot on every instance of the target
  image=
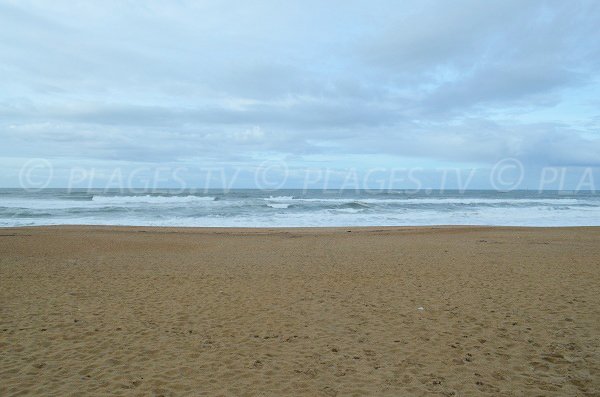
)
(290, 208)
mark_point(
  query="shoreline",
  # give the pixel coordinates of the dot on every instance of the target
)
(92, 226)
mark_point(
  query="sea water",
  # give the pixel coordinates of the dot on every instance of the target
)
(260, 208)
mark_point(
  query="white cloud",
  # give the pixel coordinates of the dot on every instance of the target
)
(165, 82)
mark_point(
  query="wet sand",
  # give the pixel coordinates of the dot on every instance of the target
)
(362, 311)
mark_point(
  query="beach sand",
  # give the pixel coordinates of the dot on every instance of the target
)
(361, 311)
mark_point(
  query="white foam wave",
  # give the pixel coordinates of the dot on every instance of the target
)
(466, 201)
(279, 198)
(43, 204)
(513, 216)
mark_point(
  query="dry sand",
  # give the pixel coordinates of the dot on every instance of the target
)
(375, 311)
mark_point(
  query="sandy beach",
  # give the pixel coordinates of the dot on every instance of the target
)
(449, 311)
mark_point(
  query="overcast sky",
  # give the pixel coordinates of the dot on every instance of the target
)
(315, 84)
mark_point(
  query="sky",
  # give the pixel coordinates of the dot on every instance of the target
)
(109, 92)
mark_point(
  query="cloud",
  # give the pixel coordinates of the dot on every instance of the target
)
(471, 54)
(525, 86)
(466, 81)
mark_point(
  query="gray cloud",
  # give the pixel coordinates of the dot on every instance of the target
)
(465, 81)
